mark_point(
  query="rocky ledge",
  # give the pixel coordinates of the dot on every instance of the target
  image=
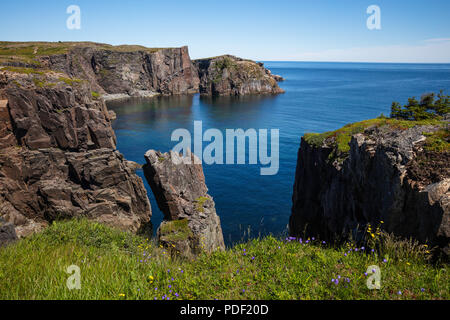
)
(230, 75)
(378, 170)
(191, 224)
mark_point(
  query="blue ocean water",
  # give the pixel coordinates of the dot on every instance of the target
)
(319, 97)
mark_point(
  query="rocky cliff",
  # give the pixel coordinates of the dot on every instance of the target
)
(230, 75)
(134, 72)
(191, 224)
(379, 170)
(58, 157)
(124, 71)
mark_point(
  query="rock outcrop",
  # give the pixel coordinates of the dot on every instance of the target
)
(191, 224)
(58, 157)
(387, 175)
(131, 71)
(229, 75)
(7, 232)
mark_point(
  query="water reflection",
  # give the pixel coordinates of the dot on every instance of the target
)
(143, 111)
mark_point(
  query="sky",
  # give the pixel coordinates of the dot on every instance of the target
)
(277, 30)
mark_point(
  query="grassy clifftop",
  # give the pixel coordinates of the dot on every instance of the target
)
(117, 265)
(28, 52)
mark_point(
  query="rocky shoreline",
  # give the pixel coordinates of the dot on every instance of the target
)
(58, 157)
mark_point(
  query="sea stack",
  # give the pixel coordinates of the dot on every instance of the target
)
(191, 224)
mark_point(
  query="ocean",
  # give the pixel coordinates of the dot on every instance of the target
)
(319, 97)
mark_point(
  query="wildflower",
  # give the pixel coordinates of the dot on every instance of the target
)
(363, 248)
(422, 289)
(365, 273)
(176, 294)
(399, 293)
(253, 258)
(170, 286)
(121, 294)
(313, 238)
(384, 260)
(243, 290)
(381, 221)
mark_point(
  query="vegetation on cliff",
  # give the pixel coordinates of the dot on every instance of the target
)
(427, 112)
(118, 265)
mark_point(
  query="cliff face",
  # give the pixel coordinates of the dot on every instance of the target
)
(229, 75)
(388, 174)
(58, 156)
(141, 72)
(191, 224)
(124, 71)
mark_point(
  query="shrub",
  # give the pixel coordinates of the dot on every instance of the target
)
(427, 108)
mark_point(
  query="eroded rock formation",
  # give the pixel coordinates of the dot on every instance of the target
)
(384, 177)
(191, 223)
(58, 157)
(229, 75)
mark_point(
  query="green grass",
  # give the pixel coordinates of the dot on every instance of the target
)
(342, 137)
(175, 230)
(118, 265)
(438, 141)
(24, 70)
(200, 202)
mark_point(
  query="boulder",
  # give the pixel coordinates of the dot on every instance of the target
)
(7, 232)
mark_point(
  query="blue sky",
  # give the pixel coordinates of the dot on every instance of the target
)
(302, 30)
